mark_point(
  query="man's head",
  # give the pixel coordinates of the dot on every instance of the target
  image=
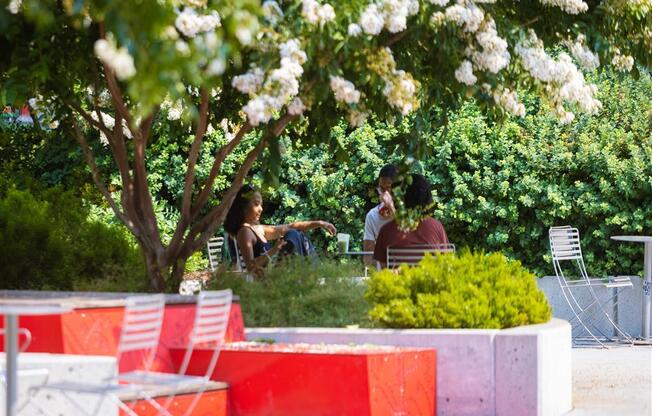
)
(418, 193)
(386, 178)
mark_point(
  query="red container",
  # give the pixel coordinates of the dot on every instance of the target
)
(211, 403)
(301, 379)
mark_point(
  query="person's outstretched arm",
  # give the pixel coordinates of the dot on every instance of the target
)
(273, 232)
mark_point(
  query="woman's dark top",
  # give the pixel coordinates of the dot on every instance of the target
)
(260, 247)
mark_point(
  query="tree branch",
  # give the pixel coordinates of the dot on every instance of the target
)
(193, 155)
(90, 161)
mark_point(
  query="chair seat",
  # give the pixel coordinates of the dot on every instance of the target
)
(610, 282)
(160, 379)
(108, 387)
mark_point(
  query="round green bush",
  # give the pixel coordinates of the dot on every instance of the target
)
(469, 290)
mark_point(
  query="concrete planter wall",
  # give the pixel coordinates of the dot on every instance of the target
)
(519, 371)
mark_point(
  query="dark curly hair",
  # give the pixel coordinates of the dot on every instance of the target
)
(235, 216)
(418, 193)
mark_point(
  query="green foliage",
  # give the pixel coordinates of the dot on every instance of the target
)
(300, 291)
(48, 243)
(469, 290)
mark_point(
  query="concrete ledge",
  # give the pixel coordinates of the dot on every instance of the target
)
(467, 361)
(62, 367)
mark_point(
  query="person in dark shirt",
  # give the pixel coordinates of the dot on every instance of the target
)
(242, 223)
(418, 196)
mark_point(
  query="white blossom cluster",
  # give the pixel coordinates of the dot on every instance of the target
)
(118, 59)
(344, 90)
(354, 30)
(493, 55)
(389, 14)
(174, 110)
(189, 23)
(440, 3)
(316, 13)
(278, 89)
(400, 88)
(569, 6)
(14, 6)
(508, 100)
(583, 54)
(623, 63)
(109, 122)
(465, 14)
(272, 11)
(464, 73)
(564, 82)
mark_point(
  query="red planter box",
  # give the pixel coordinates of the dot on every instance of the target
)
(302, 379)
(211, 403)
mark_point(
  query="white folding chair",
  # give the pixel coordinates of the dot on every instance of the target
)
(214, 248)
(240, 264)
(565, 247)
(141, 330)
(411, 255)
(209, 328)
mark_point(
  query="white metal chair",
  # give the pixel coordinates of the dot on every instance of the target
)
(565, 247)
(209, 328)
(214, 248)
(139, 338)
(239, 263)
(412, 255)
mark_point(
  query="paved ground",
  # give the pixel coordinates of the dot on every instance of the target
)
(613, 382)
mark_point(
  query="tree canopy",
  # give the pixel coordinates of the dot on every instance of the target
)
(259, 69)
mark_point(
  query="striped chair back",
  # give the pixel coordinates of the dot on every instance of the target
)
(214, 248)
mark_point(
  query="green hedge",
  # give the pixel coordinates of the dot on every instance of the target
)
(300, 292)
(47, 242)
(472, 290)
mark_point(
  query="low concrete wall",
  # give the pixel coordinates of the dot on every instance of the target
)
(78, 368)
(629, 305)
(471, 363)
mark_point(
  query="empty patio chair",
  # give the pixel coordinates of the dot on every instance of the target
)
(413, 254)
(139, 339)
(214, 248)
(587, 307)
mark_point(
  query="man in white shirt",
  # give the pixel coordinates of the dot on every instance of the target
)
(382, 213)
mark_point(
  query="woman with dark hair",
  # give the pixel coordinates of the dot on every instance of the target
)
(242, 223)
(418, 195)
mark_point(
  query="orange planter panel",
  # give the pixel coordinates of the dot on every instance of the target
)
(211, 403)
(301, 379)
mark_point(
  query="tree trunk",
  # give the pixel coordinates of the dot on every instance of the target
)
(155, 271)
(178, 268)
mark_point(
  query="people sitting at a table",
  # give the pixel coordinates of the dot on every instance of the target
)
(418, 197)
(382, 213)
(242, 223)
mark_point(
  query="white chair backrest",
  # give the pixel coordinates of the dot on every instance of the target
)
(214, 248)
(240, 264)
(565, 243)
(413, 254)
(141, 327)
(211, 321)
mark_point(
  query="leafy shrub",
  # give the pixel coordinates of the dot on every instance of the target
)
(300, 291)
(469, 290)
(46, 242)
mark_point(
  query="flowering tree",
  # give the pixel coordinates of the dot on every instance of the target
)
(121, 66)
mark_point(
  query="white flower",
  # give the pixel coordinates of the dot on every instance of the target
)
(14, 6)
(372, 20)
(354, 29)
(244, 35)
(315, 13)
(249, 82)
(118, 60)
(440, 3)
(189, 23)
(216, 67)
(272, 11)
(437, 19)
(182, 47)
(109, 122)
(494, 55)
(174, 114)
(400, 91)
(508, 100)
(292, 49)
(584, 55)
(623, 63)
(464, 73)
(569, 6)
(344, 90)
(54, 124)
(470, 16)
(296, 107)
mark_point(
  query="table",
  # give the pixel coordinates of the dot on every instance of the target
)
(647, 279)
(12, 309)
(357, 253)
